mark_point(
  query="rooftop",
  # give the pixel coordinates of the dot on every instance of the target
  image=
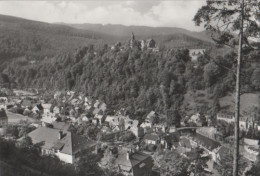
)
(70, 143)
(208, 143)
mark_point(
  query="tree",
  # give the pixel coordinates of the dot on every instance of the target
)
(211, 73)
(255, 79)
(225, 18)
(172, 164)
(26, 142)
(198, 162)
(255, 169)
(87, 165)
(127, 136)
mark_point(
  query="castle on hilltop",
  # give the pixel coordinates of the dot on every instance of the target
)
(148, 44)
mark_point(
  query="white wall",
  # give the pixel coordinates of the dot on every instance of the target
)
(65, 157)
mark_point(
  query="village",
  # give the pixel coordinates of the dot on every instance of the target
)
(70, 122)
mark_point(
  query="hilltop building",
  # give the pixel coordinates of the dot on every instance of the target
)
(148, 44)
(195, 53)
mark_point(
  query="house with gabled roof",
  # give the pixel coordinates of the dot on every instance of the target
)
(132, 163)
(64, 144)
(27, 103)
(37, 109)
(46, 108)
(151, 139)
(61, 126)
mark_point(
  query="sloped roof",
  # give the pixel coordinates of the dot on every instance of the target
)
(185, 143)
(135, 159)
(206, 142)
(61, 126)
(46, 106)
(138, 157)
(27, 103)
(39, 106)
(70, 142)
(153, 137)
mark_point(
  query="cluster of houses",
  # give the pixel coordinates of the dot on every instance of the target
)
(251, 146)
(245, 122)
(54, 136)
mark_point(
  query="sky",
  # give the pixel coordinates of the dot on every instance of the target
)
(157, 13)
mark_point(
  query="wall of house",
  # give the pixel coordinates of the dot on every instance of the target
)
(65, 157)
(150, 142)
(2, 131)
(251, 142)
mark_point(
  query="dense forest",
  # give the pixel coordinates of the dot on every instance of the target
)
(140, 81)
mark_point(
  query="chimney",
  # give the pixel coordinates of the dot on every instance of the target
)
(128, 155)
(60, 135)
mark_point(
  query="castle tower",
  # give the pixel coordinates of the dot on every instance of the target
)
(132, 41)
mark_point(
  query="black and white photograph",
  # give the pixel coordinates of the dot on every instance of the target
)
(130, 88)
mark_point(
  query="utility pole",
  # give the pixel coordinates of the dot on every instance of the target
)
(237, 106)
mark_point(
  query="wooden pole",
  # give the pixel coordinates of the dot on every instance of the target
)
(237, 106)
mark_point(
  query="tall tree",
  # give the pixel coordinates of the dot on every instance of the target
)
(226, 19)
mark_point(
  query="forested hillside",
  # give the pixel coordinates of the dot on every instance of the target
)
(57, 57)
(37, 40)
(138, 80)
(20, 37)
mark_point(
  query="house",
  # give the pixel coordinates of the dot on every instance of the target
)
(95, 121)
(47, 109)
(133, 163)
(6, 106)
(138, 131)
(103, 106)
(97, 103)
(27, 103)
(48, 120)
(37, 109)
(151, 139)
(3, 118)
(205, 142)
(76, 101)
(56, 110)
(209, 132)
(100, 116)
(244, 122)
(61, 126)
(3, 99)
(88, 102)
(185, 145)
(64, 144)
(57, 95)
(196, 119)
(170, 141)
(209, 145)
(251, 152)
(133, 125)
